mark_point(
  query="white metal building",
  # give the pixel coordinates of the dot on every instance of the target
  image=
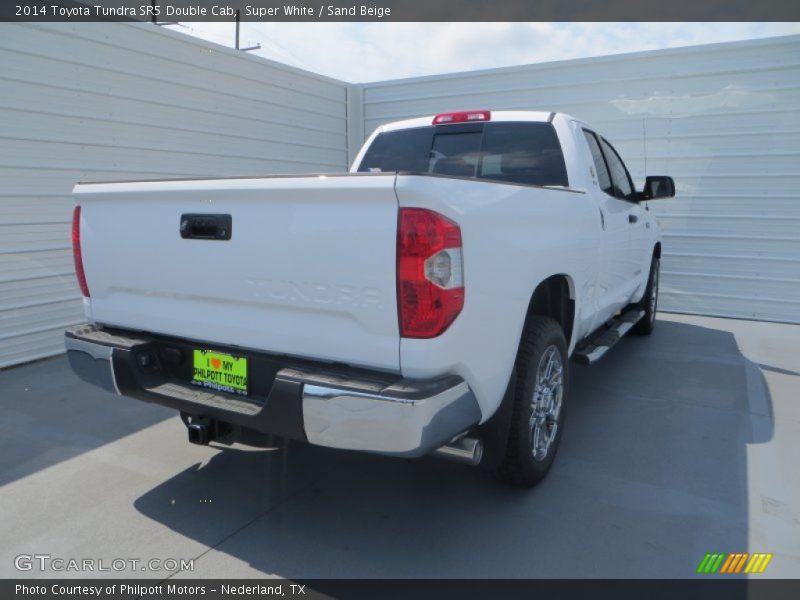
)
(83, 102)
(124, 101)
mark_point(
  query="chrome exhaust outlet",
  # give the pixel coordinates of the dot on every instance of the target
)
(464, 450)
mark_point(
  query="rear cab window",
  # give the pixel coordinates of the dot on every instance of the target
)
(514, 152)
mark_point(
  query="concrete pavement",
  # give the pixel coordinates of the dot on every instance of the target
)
(683, 443)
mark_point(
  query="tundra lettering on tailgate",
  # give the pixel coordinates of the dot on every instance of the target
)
(310, 292)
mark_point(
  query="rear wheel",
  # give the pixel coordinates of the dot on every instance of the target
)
(538, 412)
(649, 301)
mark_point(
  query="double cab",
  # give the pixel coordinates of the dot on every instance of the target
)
(430, 300)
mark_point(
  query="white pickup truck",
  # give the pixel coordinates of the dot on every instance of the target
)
(427, 301)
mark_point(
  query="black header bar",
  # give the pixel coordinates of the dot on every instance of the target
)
(400, 10)
(701, 588)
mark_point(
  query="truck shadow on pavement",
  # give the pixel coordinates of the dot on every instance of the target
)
(650, 476)
(50, 416)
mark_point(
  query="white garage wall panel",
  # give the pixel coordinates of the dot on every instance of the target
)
(83, 102)
(722, 119)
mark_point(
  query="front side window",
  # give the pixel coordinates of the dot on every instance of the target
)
(620, 180)
(603, 178)
(514, 152)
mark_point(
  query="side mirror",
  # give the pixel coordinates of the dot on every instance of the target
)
(658, 186)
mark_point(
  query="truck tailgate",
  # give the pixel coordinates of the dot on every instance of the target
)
(309, 269)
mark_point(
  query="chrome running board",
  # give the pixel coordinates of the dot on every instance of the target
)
(601, 341)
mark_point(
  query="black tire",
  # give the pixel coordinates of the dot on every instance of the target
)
(520, 465)
(649, 301)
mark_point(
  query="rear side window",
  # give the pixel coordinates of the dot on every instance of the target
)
(526, 153)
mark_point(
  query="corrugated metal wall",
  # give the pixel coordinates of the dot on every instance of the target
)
(111, 101)
(723, 120)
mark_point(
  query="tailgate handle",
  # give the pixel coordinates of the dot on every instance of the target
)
(206, 227)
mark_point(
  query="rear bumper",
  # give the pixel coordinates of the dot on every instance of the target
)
(331, 406)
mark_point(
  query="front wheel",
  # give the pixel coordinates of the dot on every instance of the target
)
(537, 420)
(649, 301)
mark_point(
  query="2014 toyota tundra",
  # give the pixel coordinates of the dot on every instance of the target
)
(429, 300)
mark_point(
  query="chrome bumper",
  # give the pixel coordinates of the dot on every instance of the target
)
(387, 423)
(349, 409)
(92, 363)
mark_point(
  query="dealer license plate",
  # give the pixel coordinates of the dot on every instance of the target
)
(220, 371)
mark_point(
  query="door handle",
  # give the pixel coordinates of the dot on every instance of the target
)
(205, 227)
(632, 218)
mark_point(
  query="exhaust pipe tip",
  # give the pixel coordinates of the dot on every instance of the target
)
(465, 450)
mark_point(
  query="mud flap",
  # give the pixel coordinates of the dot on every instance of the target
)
(494, 432)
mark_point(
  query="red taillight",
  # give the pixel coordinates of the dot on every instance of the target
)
(466, 116)
(76, 251)
(430, 279)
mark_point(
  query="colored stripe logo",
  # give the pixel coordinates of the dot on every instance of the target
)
(735, 562)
